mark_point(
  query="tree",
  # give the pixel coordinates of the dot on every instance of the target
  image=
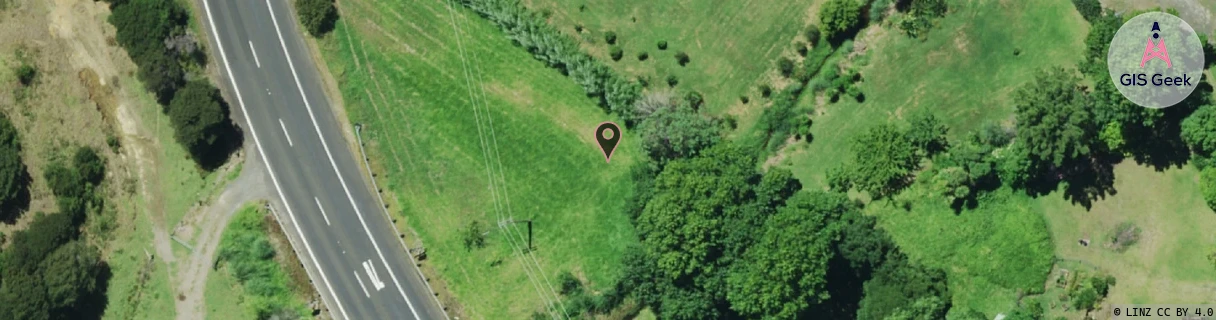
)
(883, 158)
(677, 132)
(662, 45)
(615, 53)
(683, 223)
(1207, 186)
(70, 273)
(1089, 9)
(785, 66)
(812, 35)
(900, 284)
(161, 74)
(610, 37)
(642, 56)
(682, 58)
(12, 171)
(839, 16)
(199, 119)
(30, 246)
(473, 236)
(92, 167)
(785, 271)
(24, 296)
(143, 25)
(317, 16)
(68, 187)
(1053, 121)
(928, 133)
(1199, 131)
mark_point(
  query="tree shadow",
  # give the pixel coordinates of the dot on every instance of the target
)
(1161, 146)
(1090, 179)
(11, 211)
(230, 138)
(92, 306)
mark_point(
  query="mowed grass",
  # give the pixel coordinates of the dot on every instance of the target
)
(989, 253)
(1169, 263)
(732, 45)
(964, 71)
(400, 67)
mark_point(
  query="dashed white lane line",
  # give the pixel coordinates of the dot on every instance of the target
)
(288, 135)
(279, 189)
(255, 54)
(323, 212)
(361, 285)
(334, 165)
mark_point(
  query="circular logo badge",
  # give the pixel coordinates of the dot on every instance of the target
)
(1156, 60)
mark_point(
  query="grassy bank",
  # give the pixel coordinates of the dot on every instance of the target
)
(401, 69)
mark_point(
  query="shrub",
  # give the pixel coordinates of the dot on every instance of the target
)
(812, 34)
(143, 25)
(744, 99)
(694, 99)
(68, 187)
(839, 16)
(662, 45)
(569, 283)
(1123, 236)
(92, 167)
(161, 74)
(26, 73)
(200, 120)
(682, 58)
(766, 90)
(672, 81)
(473, 236)
(317, 16)
(610, 37)
(785, 66)
(616, 53)
(800, 48)
(642, 56)
(1207, 186)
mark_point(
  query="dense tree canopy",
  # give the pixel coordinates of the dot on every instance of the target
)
(70, 273)
(1054, 123)
(785, 271)
(1199, 131)
(883, 158)
(317, 16)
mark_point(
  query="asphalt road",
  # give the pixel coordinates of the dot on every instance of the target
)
(349, 247)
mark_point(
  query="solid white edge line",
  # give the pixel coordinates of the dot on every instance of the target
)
(255, 54)
(285, 134)
(240, 102)
(334, 165)
(319, 207)
(361, 285)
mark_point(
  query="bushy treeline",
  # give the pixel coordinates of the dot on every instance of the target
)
(14, 180)
(246, 252)
(529, 30)
(48, 271)
(154, 33)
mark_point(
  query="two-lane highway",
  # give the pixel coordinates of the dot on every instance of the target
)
(351, 251)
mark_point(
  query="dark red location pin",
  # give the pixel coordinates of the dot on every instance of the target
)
(608, 134)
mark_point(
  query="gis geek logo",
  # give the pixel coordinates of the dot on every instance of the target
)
(1147, 72)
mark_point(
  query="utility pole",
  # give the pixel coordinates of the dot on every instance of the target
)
(529, 222)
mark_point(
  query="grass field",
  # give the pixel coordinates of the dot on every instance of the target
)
(1169, 263)
(964, 71)
(400, 67)
(732, 45)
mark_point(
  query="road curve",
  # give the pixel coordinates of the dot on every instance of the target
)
(347, 244)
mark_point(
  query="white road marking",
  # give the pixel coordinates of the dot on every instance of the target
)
(288, 135)
(255, 55)
(372, 275)
(323, 214)
(333, 164)
(361, 284)
(279, 189)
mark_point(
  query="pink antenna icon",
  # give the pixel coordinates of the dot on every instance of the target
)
(1156, 51)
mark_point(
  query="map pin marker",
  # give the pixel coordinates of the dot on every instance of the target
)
(608, 134)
